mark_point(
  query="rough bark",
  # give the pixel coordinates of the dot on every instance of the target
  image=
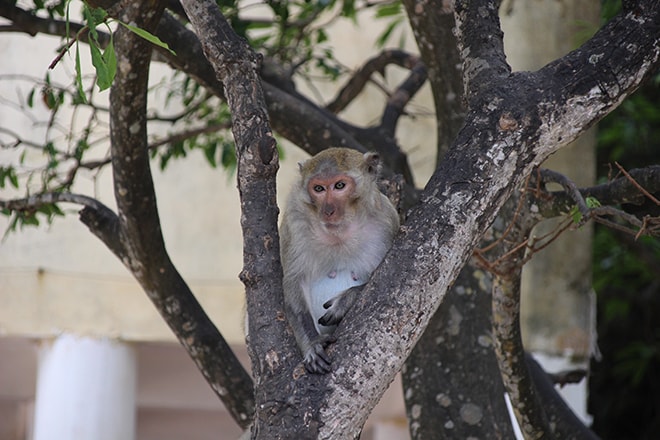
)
(443, 398)
(451, 381)
(526, 403)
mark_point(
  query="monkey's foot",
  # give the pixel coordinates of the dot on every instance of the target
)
(316, 360)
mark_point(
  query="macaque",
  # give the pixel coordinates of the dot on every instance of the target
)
(336, 229)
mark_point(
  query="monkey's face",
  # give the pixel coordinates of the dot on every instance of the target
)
(331, 197)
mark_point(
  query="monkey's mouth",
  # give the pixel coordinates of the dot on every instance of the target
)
(333, 226)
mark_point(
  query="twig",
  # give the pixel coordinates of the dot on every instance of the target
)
(637, 185)
(397, 102)
(570, 187)
(65, 49)
(363, 75)
(33, 202)
(508, 229)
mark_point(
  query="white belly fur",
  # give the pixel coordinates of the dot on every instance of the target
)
(326, 288)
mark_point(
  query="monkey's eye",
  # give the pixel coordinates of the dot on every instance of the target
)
(340, 185)
(318, 188)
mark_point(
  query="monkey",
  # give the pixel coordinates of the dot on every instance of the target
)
(335, 230)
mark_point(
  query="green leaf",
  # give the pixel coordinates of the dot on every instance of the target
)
(348, 9)
(110, 58)
(81, 146)
(229, 156)
(13, 178)
(30, 99)
(104, 76)
(79, 84)
(575, 214)
(29, 220)
(93, 17)
(209, 153)
(8, 173)
(147, 36)
(321, 36)
(388, 10)
(381, 41)
(592, 202)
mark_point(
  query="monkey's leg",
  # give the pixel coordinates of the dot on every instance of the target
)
(339, 306)
(311, 343)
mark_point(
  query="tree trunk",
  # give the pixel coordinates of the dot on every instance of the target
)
(444, 399)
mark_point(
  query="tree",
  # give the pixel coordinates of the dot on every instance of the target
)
(512, 122)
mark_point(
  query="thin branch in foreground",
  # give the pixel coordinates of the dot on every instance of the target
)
(100, 219)
(33, 202)
(176, 137)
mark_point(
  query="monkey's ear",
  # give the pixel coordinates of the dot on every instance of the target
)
(372, 162)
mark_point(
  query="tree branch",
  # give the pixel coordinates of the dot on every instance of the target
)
(481, 45)
(569, 187)
(525, 402)
(271, 344)
(433, 22)
(100, 219)
(636, 187)
(24, 21)
(402, 95)
(537, 411)
(139, 225)
(292, 115)
(570, 426)
(618, 191)
(359, 80)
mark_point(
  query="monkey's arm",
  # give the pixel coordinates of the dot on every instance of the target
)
(311, 344)
(339, 306)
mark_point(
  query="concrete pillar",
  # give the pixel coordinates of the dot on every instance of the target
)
(85, 390)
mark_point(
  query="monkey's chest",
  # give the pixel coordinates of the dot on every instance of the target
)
(326, 288)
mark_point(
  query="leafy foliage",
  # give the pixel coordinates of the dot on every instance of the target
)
(105, 60)
(291, 33)
(632, 131)
(625, 385)
(394, 13)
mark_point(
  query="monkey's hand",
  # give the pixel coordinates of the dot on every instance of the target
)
(315, 358)
(339, 305)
